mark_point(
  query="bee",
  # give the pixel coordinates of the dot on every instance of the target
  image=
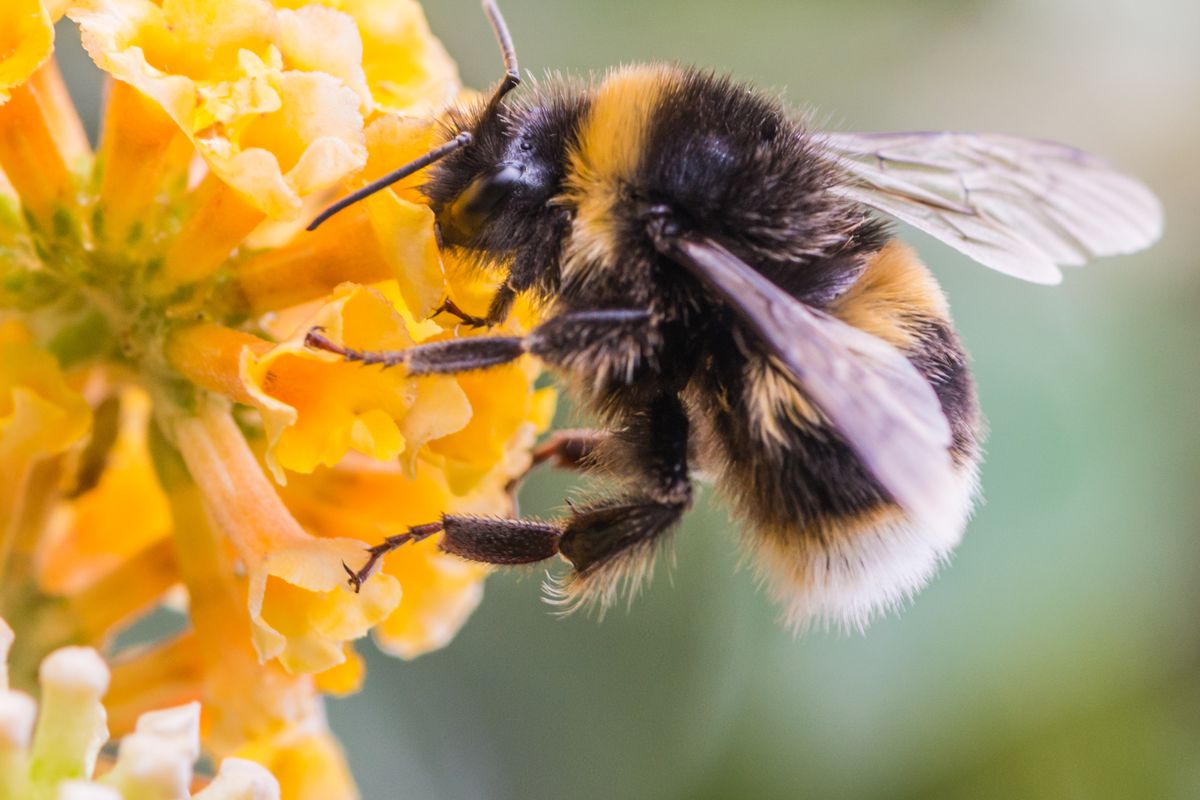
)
(722, 294)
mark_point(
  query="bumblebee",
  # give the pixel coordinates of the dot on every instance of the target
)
(723, 296)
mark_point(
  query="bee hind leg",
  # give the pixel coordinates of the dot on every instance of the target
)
(490, 540)
(612, 543)
(612, 547)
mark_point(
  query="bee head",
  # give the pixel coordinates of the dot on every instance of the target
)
(495, 193)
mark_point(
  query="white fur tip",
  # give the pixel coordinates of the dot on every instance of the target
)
(854, 576)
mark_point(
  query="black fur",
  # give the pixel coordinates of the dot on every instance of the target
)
(731, 163)
(536, 132)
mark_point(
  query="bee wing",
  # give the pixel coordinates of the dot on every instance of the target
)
(1020, 206)
(868, 390)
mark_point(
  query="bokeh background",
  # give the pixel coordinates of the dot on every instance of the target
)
(1058, 656)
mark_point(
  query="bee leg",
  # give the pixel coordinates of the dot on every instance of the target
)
(606, 535)
(436, 358)
(569, 449)
(414, 534)
(504, 542)
(502, 303)
(486, 539)
(448, 306)
(557, 341)
(535, 267)
(613, 542)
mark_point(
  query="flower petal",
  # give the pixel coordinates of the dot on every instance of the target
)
(381, 499)
(239, 779)
(300, 608)
(316, 406)
(346, 678)
(400, 217)
(26, 41)
(274, 133)
(95, 532)
(407, 68)
(307, 761)
(39, 413)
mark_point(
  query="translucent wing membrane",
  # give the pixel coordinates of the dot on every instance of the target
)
(1020, 206)
(871, 394)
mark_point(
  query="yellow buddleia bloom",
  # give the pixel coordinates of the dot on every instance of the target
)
(168, 440)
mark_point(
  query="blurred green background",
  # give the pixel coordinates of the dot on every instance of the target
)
(1058, 655)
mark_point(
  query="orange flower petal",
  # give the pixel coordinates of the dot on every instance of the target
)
(300, 608)
(307, 761)
(274, 133)
(26, 41)
(39, 413)
(316, 406)
(95, 531)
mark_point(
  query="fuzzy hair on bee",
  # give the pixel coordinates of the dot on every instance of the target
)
(722, 296)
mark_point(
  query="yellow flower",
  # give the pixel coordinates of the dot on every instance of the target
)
(272, 129)
(91, 533)
(298, 602)
(439, 591)
(40, 415)
(166, 437)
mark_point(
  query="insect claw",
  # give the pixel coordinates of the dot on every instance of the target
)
(317, 340)
(448, 306)
(355, 580)
(376, 552)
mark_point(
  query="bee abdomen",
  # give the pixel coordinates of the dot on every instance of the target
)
(830, 543)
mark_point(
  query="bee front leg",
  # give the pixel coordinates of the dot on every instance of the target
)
(450, 307)
(562, 341)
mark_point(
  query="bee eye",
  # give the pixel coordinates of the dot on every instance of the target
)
(526, 146)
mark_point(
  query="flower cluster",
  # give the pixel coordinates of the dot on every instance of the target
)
(53, 752)
(166, 439)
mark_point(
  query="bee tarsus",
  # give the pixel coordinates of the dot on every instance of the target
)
(448, 306)
(317, 340)
(414, 534)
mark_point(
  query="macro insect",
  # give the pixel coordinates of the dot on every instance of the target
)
(721, 293)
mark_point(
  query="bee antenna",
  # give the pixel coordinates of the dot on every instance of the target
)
(512, 79)
(512, 72)
(462, 140)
